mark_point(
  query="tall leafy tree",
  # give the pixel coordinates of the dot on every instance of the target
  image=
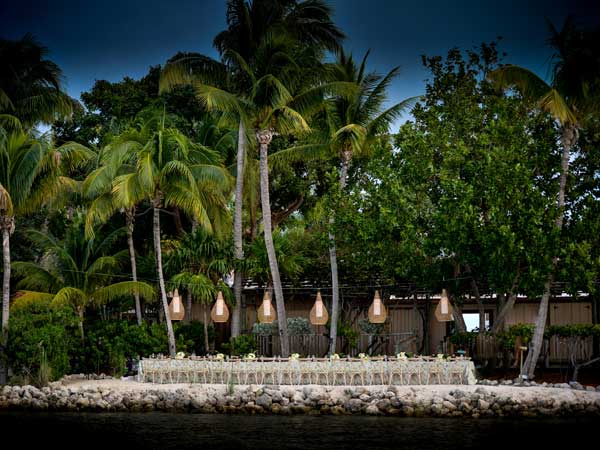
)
(168, 169)
(76, 270)
(571, 97)
(32, 173)
(248, 25)
(200, 261)
(281, 96)
(30, 84)
(349, 126)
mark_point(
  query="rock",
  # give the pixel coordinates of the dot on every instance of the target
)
(449, 405)
(483, 405)
(354, 405)
(384, 404)
(576, 385)
(372, 410)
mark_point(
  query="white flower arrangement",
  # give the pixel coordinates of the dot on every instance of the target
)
(250, 356)
(401, 355)
(180, 355)
(220, 356)
(440, 356)
(294, 356)
(363, 356)
(335, 356)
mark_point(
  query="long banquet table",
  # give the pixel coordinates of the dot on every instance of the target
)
(393, 371)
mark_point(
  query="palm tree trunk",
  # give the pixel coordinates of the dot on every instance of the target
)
(206, 343)
(161, 279)
(7, 224)
(238, 249)
(335, 288)
(188, 306)
(569, 139)
(129, 217)
(81, 332)
(264, 139)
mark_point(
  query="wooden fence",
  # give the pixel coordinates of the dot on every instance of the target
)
(318, 344)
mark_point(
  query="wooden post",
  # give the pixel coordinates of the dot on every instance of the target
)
(426, 331)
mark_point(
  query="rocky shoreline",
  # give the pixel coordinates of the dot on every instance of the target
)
(409, 401)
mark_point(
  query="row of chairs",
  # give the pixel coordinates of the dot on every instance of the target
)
(297, 372)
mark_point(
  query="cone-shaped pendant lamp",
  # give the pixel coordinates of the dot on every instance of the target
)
(219, 312)
(443, 311)
(377, 311)
(266, 312)
(176, 309)
(318, 313)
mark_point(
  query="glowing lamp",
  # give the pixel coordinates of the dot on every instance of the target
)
(318, 313)
(377, 311)
(176, 309)
(219, 312)
(266, 312)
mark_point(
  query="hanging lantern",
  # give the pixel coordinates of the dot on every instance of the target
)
(266, 312)
(318, 313)
(377, 311)
(176, 309)
(219, 312)
(443, 311)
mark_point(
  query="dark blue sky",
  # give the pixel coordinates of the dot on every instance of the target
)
(112, 39)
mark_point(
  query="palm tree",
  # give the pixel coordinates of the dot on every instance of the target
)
(170, 170)
(349, 126)
(98, 185)
(77, 270)
(571, 97)
(201, 260)
(248, 25)
(30, 84)
(32, 173)
(276, 104)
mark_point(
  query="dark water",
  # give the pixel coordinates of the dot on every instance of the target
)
(182, 431)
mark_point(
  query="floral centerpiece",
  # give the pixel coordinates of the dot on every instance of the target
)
(335, 356)
(294, 356)
(180, 355)
(220, 356)
(440, 356)
(402, 356)
(363, 356)
(250, 356)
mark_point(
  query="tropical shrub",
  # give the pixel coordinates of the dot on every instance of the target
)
(192, 335)
(581, 330)
(44, 342)
(464, 339)
(241, 345)
(296, 327)
(509, 337)
(110, 345)
(370, 328)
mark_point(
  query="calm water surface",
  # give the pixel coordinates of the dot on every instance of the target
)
(183, 431)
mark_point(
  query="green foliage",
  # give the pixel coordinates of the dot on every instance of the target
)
(44, 340)
(109, 345)
(507, 339)
(581, 330)
(346, 331)
(192, 335)
(370, 328)
(463, 339)
(298, 326)
(240, 345)
(262, 329)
